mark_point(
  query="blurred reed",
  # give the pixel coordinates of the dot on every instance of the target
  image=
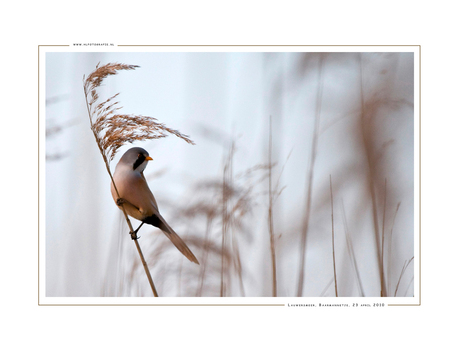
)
(228, 216)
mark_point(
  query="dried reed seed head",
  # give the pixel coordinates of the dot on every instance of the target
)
(100, 73)
(114, 130)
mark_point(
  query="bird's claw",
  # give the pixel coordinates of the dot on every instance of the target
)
(134, 235)
(134, 232)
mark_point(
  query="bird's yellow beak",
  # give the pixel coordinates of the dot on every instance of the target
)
(148, 158)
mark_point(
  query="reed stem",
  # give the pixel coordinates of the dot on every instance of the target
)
(333, 245)
(144, 263)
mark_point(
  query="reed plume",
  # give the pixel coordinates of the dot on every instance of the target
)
(113, 130)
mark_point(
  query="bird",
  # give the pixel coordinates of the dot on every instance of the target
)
(138, 201)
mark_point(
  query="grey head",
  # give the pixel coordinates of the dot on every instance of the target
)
(135, 157)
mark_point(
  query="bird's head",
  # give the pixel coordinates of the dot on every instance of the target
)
(137, 158)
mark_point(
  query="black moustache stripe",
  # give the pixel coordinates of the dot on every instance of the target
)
(138, 161)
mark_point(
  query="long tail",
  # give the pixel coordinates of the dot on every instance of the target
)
(159, 222)
(180, 244)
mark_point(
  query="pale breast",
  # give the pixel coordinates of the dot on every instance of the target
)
(133, 187)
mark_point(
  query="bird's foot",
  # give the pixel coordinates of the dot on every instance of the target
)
(120, 201)
(134, 235)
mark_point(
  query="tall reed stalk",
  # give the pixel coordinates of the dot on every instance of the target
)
(366, 122)
(270, 213)
(351, 252)
(226, 186)
(333, 239)
(390, 247)
(111, 131)
(314, 145)
(406, 264)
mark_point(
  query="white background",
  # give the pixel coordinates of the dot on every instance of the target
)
(252, 23)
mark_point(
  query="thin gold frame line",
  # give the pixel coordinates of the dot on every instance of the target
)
(262, 45)
(38, 160)
(120, 45)
(420, 186)
(168, 305)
